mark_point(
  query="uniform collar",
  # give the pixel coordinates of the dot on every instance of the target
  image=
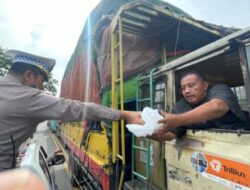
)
(10, 77)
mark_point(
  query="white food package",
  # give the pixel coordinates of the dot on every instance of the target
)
(150, 117)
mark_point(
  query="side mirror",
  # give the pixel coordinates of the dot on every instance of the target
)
(57, 160)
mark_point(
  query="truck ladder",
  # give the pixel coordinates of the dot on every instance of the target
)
(135, 147)
(118, 136)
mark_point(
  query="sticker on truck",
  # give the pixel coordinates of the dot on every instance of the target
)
(235, 175)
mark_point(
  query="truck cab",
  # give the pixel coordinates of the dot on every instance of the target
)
(214, 158)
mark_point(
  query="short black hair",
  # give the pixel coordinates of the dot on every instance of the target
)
(186, 73)
(20, 68)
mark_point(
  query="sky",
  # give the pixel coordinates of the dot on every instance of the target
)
(51, 28)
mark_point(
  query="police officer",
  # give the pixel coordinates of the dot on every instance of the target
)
(23, 104)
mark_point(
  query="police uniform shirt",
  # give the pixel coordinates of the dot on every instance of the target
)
(22, 108)
(233, 119)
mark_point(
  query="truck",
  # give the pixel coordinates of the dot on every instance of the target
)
(131, 55)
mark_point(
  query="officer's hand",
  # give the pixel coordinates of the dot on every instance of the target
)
(132, 117)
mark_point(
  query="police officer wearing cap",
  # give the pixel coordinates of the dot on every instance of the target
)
(23, 104)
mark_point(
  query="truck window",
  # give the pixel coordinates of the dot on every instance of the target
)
(240, 92)
(159, 94)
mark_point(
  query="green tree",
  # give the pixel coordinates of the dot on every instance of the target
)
(51, 85)
(5, 66)
(4, 63)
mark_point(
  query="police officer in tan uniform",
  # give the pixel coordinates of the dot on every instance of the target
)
(23, 104)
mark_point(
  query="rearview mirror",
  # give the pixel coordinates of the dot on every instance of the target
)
(58, 159)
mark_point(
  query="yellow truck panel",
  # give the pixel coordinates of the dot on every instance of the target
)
(205, 160)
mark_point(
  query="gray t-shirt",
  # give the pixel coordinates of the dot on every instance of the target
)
(23, 107)
(233, 119)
